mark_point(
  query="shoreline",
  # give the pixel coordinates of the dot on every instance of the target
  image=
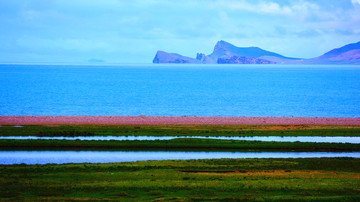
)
(172, 120)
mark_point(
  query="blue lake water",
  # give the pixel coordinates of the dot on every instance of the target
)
(43, 157)
(339, 139)
(181, 90)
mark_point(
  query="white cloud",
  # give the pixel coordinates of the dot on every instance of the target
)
(115, 29)
(269, 7)
(354, 2)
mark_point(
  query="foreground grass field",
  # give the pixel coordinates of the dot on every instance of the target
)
(174, 144)
(320, 179)
(323, 179)
(183, 130)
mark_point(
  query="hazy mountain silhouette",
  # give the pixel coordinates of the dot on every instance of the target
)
(227, 53)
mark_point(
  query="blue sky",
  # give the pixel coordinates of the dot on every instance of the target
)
(124, 31)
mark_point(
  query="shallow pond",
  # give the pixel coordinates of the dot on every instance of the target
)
(354, 140)
(43, 157)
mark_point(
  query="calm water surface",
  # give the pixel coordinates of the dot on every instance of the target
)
(354, 140)
(43, 157)
(177, 90)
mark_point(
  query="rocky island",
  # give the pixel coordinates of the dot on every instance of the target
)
(227, 53)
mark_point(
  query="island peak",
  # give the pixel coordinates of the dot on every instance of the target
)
(227, 53)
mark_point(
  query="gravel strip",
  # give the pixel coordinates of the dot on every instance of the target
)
(170, 120)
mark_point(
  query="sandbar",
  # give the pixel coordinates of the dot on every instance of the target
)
(171, 120)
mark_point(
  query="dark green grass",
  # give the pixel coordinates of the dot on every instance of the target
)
(176, 144)
(187, 130)
(320, 179)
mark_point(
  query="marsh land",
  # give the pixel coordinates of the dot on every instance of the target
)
(320, 179)
(270, 179)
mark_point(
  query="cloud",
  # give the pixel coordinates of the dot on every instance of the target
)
(354, 2)
(269, 7)
(120, 30)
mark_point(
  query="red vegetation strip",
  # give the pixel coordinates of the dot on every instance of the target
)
(170, 120)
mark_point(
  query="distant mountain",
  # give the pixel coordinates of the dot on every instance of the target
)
(243, 60)
(224, 49)
(226, 53)
(348, 54)
(164, 57)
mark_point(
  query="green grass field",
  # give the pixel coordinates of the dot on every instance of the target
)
(323, 179)
(179, 144)
(174, 144)
(186, 130)
(310, 179)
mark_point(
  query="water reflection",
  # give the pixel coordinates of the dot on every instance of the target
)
(43, 157)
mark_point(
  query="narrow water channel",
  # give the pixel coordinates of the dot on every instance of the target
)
(58, 157)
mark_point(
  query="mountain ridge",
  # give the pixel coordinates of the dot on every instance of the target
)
(243, 51)
(165, 57)
(227, 53)
(347, 53)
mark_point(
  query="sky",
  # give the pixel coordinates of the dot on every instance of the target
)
(131, 31)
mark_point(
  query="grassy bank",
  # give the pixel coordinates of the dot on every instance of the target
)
(176, 144)
(324, 179)
(187, 130)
